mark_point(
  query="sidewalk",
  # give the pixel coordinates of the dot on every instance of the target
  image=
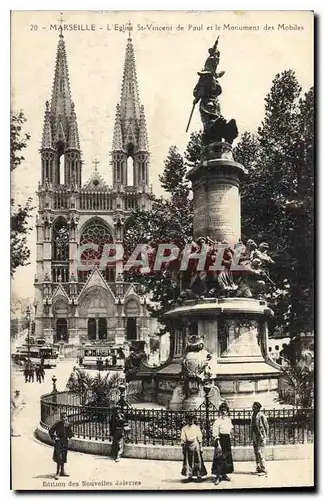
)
(33, 468)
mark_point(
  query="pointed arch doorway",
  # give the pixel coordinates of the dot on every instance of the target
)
(62, 330)
(131, 328)
(132, 312)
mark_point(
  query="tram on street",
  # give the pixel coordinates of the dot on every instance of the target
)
(38, 351)
(102, 357)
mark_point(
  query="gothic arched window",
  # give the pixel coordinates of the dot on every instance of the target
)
(60, 240)
(60, 251)
(130, 171)
(98, 233)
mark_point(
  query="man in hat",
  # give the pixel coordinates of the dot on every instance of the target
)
(61, 432)
(259, 430)
(17, 404)
(117, 426)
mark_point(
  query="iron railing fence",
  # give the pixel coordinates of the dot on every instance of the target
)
(163, 426)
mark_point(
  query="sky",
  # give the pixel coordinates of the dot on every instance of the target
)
(167, 62)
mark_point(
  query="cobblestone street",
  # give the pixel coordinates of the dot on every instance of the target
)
(33, 468)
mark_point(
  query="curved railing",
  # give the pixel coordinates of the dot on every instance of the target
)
(162, 426)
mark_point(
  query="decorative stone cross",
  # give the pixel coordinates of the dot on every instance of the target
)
(61, 24)
(129, 28)
(96, 163)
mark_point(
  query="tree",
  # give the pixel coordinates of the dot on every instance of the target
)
(101, 390)
(194, 148)
(168, 221)
(277, 198)
(20, 214)
(173, 179)
(299, 381)
(277, 205)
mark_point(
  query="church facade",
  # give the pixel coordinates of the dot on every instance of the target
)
(72, 304)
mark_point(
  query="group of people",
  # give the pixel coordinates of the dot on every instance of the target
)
(61, 432)
(191, 441)
(112, 361)
(193, 466)
(32, 370)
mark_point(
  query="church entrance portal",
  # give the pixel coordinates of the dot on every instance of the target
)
(97, 329)
(131, 328)
(61, 330)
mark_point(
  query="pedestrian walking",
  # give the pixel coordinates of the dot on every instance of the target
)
(17, 404)
(31, 372)
(191, 441)
(26, 372)
(118, 428)
(259, 430)
(223, 460)
(42, 373)
(37, 369)
(61, 432)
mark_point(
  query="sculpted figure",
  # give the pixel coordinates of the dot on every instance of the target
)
(193, 365)
(207, 91)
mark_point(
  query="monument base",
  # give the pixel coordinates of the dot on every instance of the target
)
(235, 334)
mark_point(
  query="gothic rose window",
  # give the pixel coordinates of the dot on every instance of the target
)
(98, 234)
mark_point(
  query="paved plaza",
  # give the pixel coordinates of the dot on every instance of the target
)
(33, 467)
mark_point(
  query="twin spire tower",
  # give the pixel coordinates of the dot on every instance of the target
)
(60, 148)
(80, 303)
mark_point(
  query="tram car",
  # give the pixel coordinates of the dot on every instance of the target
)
(39, 353)
(102, 357)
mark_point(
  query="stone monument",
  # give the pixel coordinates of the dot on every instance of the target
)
(226, 307)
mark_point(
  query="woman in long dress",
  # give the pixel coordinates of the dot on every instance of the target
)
(191, 439)
(222, 430)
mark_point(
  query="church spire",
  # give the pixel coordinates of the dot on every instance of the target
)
(129, 102)
(73, 142)
(47, 131)
(117, 137)
(61, 93)
(60, 130)
(142, 137)
(130, 134)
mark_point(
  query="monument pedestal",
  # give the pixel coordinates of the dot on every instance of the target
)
(235, 333)
(234, 329)
(217, 199)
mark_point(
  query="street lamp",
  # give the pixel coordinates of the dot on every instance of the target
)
(207, 388)
(122, 403)
(54, 380)
(28, 314)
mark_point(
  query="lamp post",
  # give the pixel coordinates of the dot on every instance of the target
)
(207, 388)
(28, 314)
(54, 380)
(61, 348)
(122, 400)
